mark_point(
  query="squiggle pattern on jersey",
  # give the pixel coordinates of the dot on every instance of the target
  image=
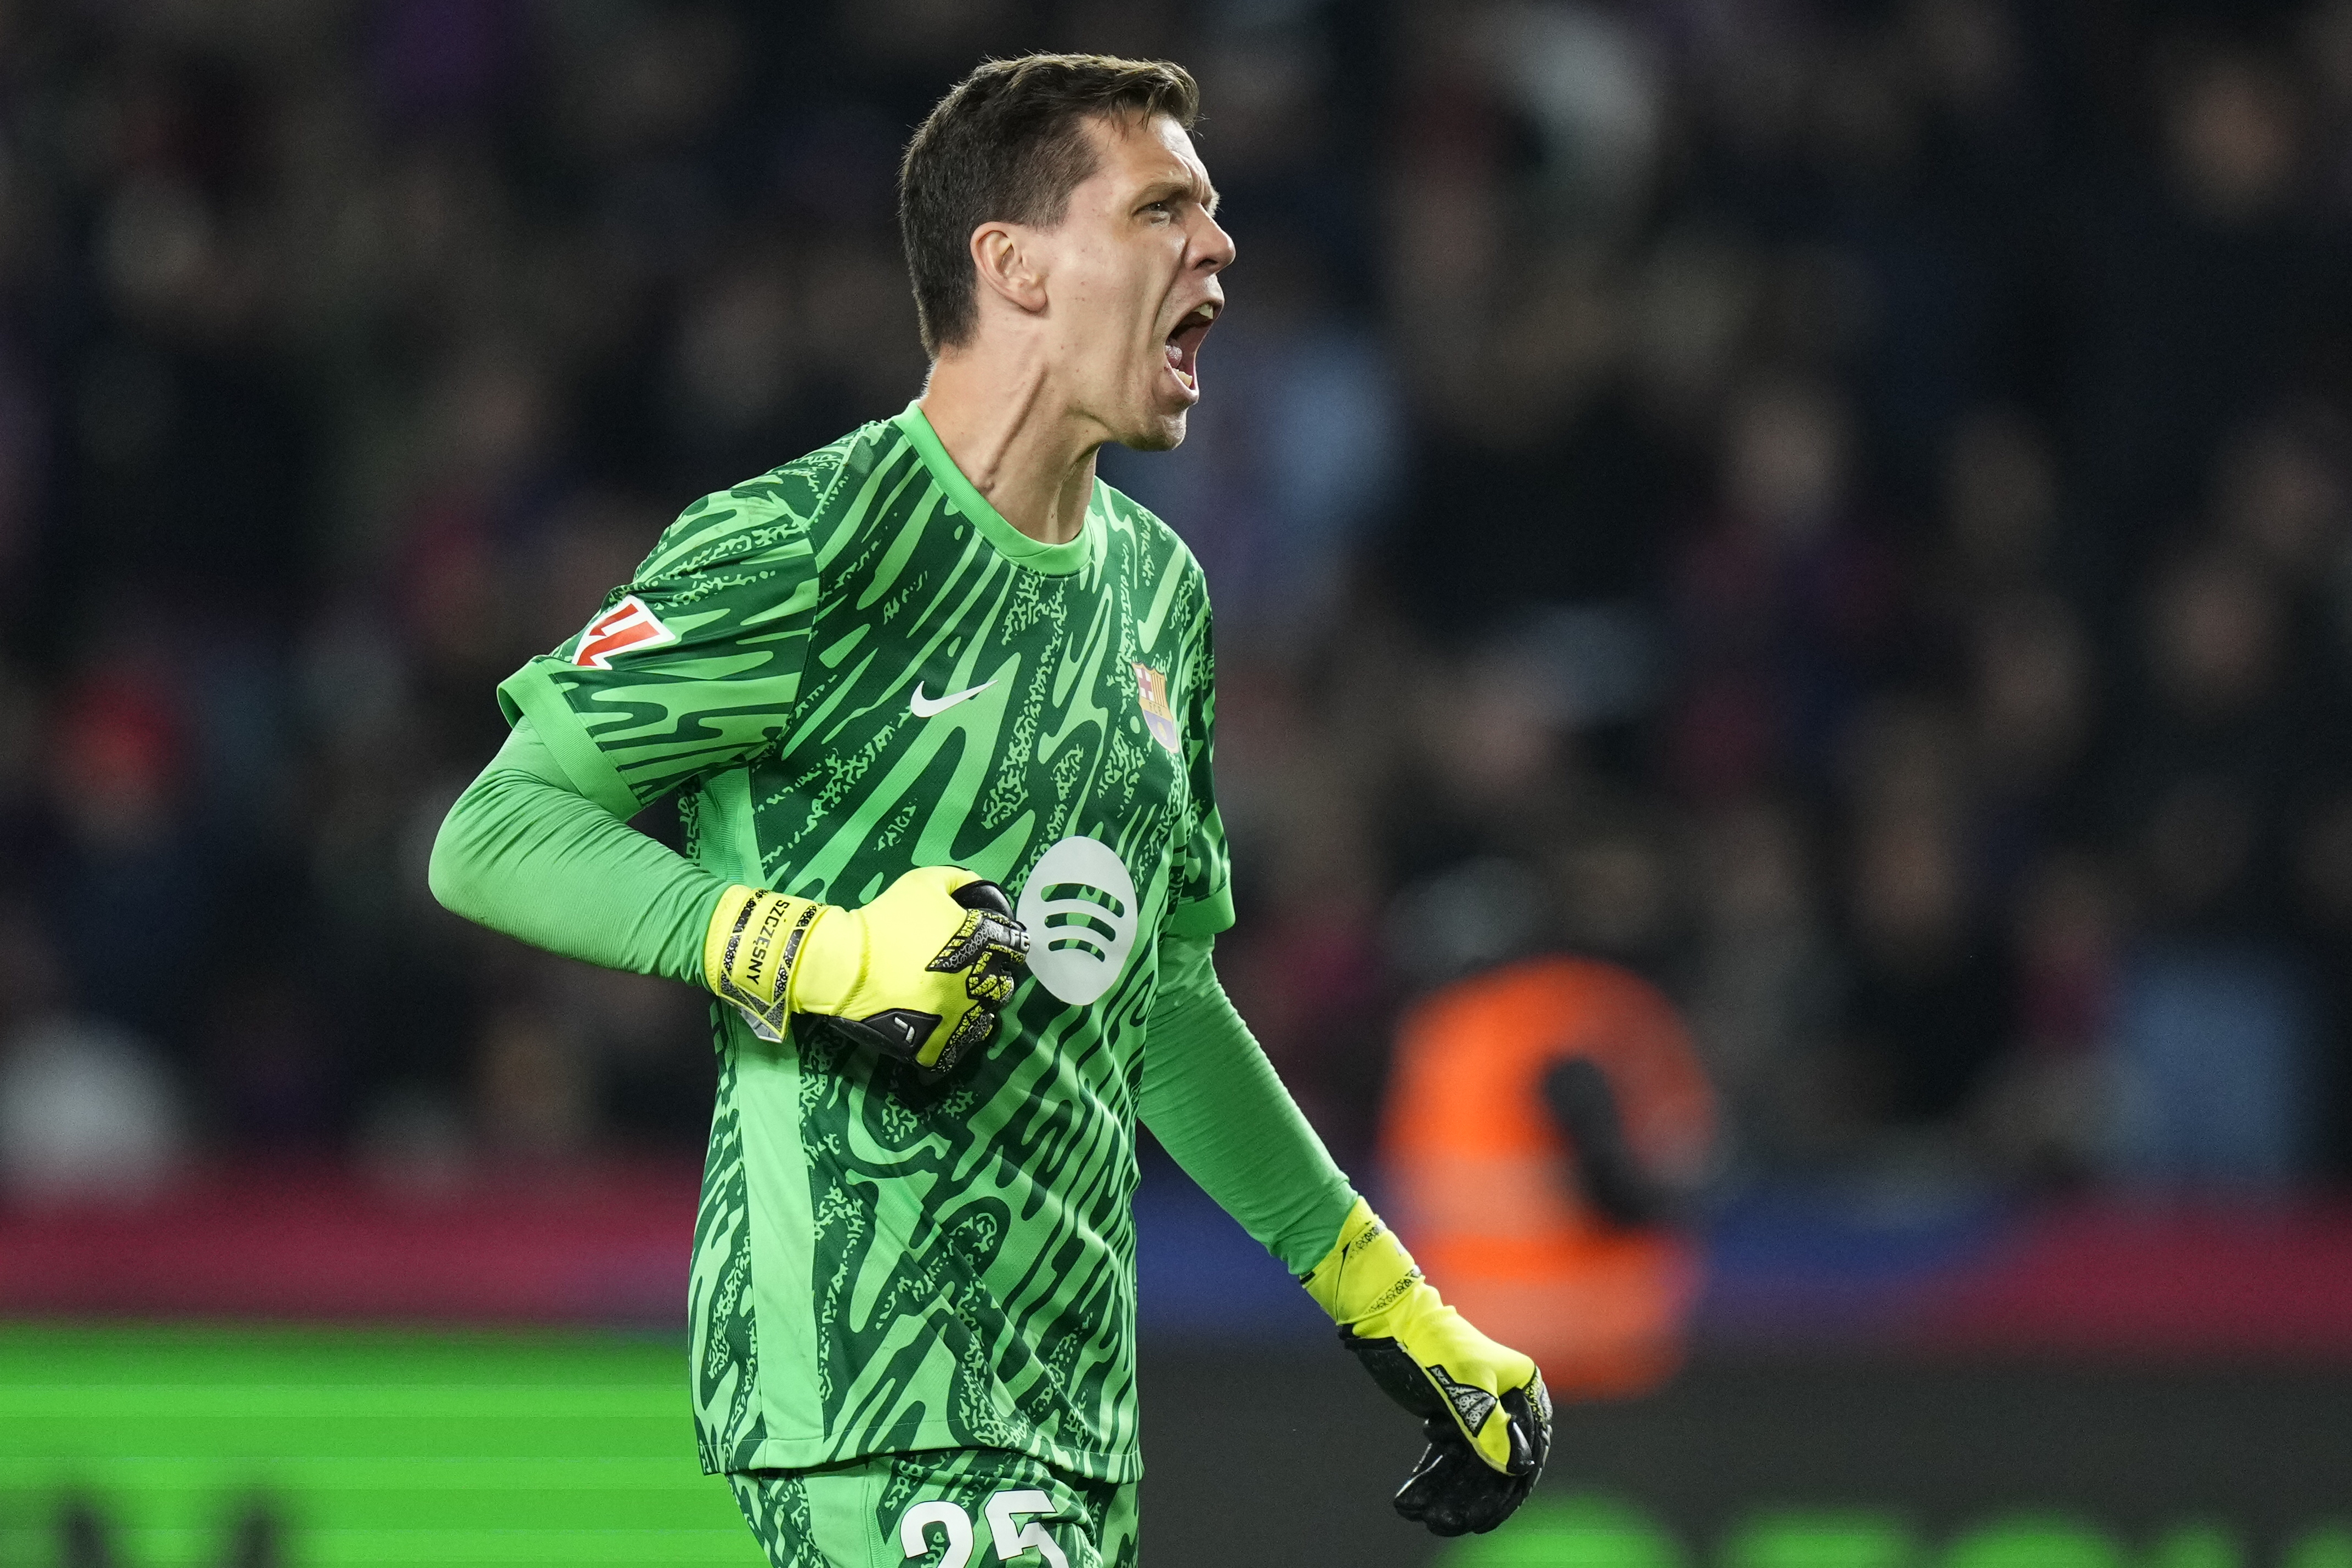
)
(882, 1265)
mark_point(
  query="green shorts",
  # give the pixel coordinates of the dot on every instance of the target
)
(956, 1508)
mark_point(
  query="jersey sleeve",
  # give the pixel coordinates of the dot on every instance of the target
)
(1215, 1104)
(695, 663)
(522, 852)
(1201, 897)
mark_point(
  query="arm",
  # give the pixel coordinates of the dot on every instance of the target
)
(525, 852)
(1212, 1099)
(693, 670)
(1210, 1095)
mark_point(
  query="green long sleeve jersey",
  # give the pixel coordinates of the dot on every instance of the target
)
(844, 669)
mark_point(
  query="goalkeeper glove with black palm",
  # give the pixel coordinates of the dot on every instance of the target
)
(1482, 1406)
(919, 975)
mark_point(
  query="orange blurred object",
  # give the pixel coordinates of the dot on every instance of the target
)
(1484, 1184)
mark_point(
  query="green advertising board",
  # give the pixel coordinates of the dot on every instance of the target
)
(195, 1449)
(214, 1447)
(1599, 1532)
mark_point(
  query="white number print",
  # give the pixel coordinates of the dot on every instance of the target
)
(1012, 1539)
(1012, 1542)
(949, 1518)
(1079, 906)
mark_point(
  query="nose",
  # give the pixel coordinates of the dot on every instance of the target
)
(1213, 249)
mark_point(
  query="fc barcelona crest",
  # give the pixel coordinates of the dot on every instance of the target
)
(1151, 695)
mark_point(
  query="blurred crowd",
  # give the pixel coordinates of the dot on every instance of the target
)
(1840, 505)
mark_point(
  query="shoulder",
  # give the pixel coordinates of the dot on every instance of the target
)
(1159, 553)
(769, 517)
(1150, 537)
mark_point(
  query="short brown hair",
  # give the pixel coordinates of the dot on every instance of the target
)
(1008, 144)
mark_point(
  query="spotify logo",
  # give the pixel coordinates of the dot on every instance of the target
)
(1079, 906)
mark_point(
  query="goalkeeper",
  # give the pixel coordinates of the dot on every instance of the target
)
(937, 708)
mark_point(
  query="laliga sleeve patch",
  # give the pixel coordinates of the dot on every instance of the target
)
(627, 627)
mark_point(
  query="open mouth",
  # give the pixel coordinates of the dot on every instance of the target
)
(1184, 346)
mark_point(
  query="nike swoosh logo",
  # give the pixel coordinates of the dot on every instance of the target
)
(924, 707)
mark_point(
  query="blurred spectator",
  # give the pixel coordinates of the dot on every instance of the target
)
(2200, 780)
(2202, 288)
(1546, 1129)
(2214, 1035)
(119, 784)
(272, 1088)
(1925, 1013)
(87, 1111)
(1839, 510)
(2211, 1053)
(2048, 1111)
(533, 1096)
(1763, 987)
(1785, 600)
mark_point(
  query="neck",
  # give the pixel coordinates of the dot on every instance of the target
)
(1021, 445)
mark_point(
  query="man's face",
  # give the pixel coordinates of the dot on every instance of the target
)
(1131, 279)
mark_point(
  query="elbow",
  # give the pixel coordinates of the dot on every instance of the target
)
(445, 869)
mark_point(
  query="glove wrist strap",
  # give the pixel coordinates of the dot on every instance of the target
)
(1365, 1276)
(754, 946)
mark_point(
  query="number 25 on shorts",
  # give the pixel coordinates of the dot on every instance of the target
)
(1013, 1540)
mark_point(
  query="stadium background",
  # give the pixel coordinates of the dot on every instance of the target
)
(1842, 506)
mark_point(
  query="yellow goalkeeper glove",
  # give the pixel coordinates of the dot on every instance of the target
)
(1482, 1406)
(919, 974)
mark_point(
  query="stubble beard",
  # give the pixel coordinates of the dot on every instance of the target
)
(1164, 434)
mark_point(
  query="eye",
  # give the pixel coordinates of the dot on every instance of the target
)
(1165, 207)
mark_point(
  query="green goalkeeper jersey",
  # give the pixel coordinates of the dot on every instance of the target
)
(847, 668)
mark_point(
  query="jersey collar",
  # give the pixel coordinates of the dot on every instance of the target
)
(1054, 561)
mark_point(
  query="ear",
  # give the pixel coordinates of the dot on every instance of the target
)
(1010, 265)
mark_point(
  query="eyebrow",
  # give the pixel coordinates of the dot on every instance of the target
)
(1161, 190)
